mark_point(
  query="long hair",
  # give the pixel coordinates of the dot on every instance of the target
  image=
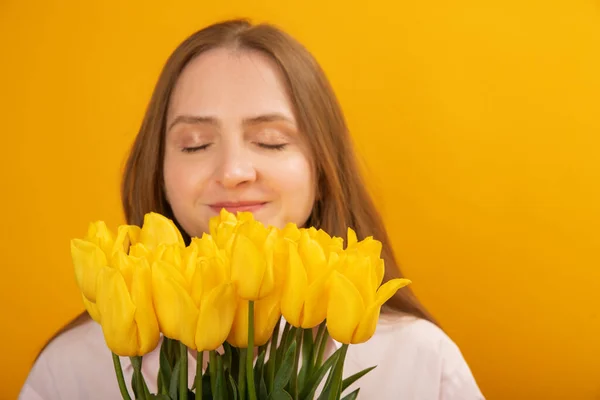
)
(342, 199)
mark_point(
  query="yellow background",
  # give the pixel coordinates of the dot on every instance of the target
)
(480, 123)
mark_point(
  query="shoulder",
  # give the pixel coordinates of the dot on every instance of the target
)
(418, 358)
(64, 367)
(420, 335)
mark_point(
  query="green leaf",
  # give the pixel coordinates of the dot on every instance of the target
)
(140, 389)
(332, 390)
(280, 395)
(207, 393)
(159, 397)
(259, 367)
(315, 379)
(135, 385)
(234, 388)
(165, 369)
(174, 384)
(308, 358)
(352, 396)
(285, 371)
(263, 392)
(221, 389)
(351, 379)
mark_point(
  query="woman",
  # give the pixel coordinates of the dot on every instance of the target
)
(243, 118)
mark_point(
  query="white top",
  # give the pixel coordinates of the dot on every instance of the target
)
(415, 361)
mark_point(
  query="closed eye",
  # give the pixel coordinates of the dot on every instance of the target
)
(195, 148)
(280, 146)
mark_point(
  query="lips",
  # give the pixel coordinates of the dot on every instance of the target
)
(241, 206)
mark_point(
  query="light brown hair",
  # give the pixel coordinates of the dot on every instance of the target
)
(342, 197)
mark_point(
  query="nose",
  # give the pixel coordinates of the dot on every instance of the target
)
(235, 166)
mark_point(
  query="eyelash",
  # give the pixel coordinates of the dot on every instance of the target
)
(195, 149)
(272, 146)
(278, 147)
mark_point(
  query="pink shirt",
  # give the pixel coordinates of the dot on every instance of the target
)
(415, 361)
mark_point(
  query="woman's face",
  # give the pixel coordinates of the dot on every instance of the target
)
(232, 142)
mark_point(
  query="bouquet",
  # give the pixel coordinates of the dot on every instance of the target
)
(261, 302)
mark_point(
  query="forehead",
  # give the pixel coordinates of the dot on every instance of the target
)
(230, 84)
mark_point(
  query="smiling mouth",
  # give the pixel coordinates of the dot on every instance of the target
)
(234, 207)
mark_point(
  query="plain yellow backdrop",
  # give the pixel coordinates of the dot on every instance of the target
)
(479, 123)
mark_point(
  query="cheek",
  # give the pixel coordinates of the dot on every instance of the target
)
(181, 182)
(296, 179)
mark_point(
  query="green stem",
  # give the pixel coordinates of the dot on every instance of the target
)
(213, 372)
(317, 344)
(272, 358)
(141, 386)
(242, 374)
(183, 372)
(250, 353)
(282, 344)
(337, 377)
(199, 362)
(294, 378)
(120, 378)
(322, 346)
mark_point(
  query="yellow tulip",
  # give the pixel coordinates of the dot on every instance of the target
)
(124, 304)
(330, 244)
(158, 229)
(91, 308)
(99, 234)
(266, 315)
(194, 297)
(127, 236)
(176, 312)
(252, 257)
(355, 299)
(222, 228)
(88, 259)
(289, 234)
(214, 295)
(305, 292)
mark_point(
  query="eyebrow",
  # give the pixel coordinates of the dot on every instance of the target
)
(260, 119)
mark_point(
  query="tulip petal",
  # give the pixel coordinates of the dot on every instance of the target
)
(91, 308)
(159, 229)
(175, 310)
(140, 251)
(99, 234)
(290, 231)
(222, 227)
(379, 272)
(247, 267)
(217, 312)
(362, 275)
(124, 264)
(268, 282)
(238, 336)
(117, 311)
(294, 289)
(88, 259)
(145, 317)
(313, 256)
(345, 309)
(317, 299)
(388, 289)
(207, 247)
(127, 236)
(352, 239)
(368, 324)
(267, 313)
